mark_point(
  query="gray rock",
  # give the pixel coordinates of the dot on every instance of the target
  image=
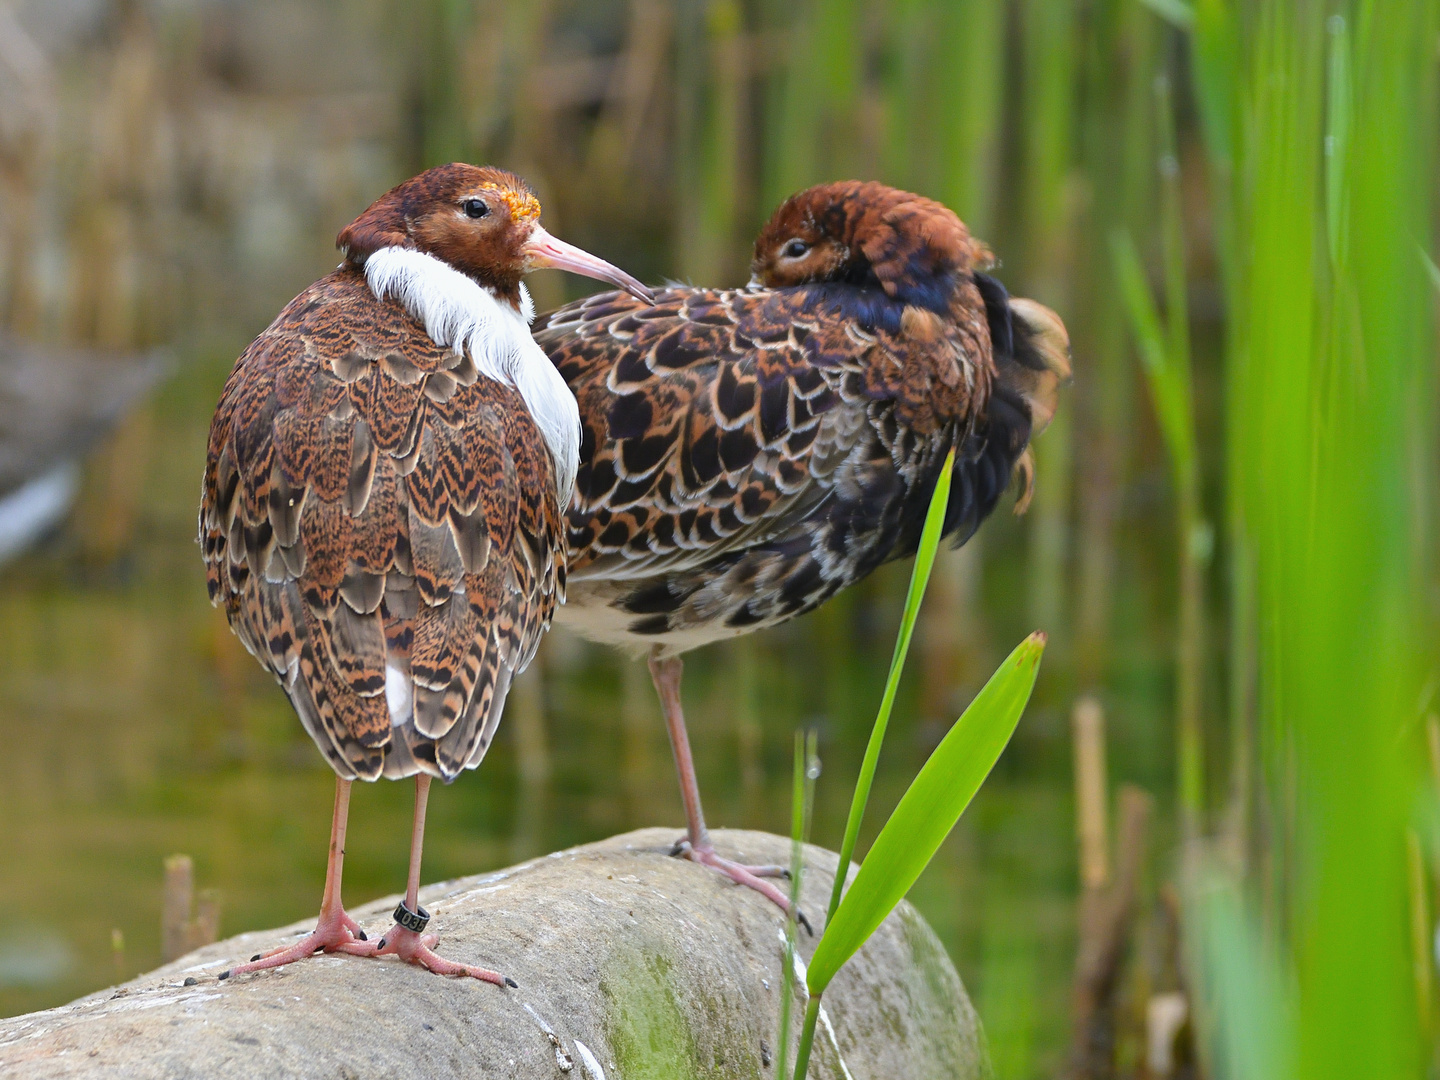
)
(632, 965)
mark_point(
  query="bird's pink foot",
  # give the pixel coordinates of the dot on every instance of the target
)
(357, 933)
(752, 877)
(335, 932)
(419, 949)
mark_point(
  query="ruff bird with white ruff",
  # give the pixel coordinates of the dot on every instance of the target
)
(382, 515)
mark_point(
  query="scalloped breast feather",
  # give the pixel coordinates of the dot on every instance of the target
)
(463, 315)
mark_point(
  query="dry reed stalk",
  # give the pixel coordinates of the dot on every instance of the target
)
(27, 146)
(205, 927)
(175, 907)
(180, 930)
(1091, 793)
(634, 85)
(1106, 919)
(1165, 1017)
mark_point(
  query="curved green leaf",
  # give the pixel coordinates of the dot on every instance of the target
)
(929, 810)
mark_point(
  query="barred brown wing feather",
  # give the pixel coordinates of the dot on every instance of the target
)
(748, 453)
(717, 421)
(373, 507)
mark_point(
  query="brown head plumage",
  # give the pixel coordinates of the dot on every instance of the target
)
(483, 221)
(864, 232)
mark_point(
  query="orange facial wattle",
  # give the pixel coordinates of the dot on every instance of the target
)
(522, 205)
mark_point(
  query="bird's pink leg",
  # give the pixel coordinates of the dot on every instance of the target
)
(413, 946)
(666, 672)
(334, 931)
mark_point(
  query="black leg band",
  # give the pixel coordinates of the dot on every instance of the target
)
(412, 920)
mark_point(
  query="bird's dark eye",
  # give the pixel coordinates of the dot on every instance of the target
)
(795, 248)
(475, 208)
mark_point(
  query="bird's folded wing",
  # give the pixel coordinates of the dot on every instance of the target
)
(721, 420)
(380, 524)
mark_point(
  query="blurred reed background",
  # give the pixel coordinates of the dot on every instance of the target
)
(1231, 547)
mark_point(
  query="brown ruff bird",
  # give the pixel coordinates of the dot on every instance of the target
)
(381, 513)
(748, 453)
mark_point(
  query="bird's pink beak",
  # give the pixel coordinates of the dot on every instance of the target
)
(543, 250)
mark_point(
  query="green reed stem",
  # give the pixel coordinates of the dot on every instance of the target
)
(807, 1037)
(1194, 536)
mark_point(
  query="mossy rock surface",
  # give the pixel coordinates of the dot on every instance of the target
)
(632, 965)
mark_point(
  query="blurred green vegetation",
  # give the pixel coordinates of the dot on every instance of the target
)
(176, 171)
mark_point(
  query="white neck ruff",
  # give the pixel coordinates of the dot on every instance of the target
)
(463, 315)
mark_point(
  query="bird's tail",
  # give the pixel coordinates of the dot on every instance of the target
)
(1040, 362)
(1032, 360)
